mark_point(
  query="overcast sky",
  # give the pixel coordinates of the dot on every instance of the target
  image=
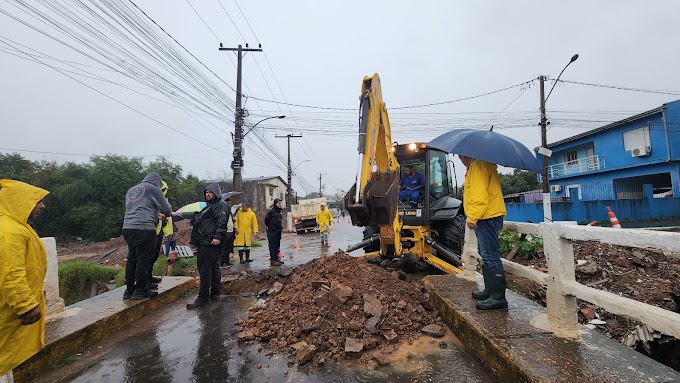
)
(316, 54)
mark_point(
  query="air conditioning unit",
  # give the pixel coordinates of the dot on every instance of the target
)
(556, 188)
(641, 152)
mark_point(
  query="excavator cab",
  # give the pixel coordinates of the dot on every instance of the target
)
(435, 201)
(423, 221)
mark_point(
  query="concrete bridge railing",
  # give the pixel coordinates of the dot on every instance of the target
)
(560, 280)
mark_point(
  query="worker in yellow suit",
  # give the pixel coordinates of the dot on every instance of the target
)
(23, 265)
(324, 219)
(244, 228)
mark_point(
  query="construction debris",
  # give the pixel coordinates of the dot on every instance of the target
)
(339, 307)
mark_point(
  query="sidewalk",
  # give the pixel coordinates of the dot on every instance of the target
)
(95, 318)
(516, 345)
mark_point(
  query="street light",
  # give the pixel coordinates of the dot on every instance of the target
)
(307, 160)
(237, 163)
(547, 207)
(573, 58)
(257, 123)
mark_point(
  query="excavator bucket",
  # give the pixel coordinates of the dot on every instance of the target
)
(378, 205)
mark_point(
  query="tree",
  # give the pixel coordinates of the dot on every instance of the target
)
(88, 200)
(519, 181)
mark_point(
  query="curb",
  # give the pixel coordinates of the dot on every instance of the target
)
(87, 321)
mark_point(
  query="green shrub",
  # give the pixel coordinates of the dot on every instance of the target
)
(528, 248)
(77, 277)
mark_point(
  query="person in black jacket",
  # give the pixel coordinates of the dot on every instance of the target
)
(207, 234)
(274, 222)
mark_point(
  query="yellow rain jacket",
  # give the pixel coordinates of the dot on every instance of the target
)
(246, 223)
(23, 264)
(324, 218)
(167, 228)
(482, 196)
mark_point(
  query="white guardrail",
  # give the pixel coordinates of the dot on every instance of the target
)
(560, 280)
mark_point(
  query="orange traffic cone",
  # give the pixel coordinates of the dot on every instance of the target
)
(594, 223)
(612, 217)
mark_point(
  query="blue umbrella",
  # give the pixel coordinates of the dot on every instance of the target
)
(489, 146)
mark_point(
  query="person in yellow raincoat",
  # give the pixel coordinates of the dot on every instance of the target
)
(163, 229)
(23, 265)
(244, 228)
(485, 209)
(324, 219)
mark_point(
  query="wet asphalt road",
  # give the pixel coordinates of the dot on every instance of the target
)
(302, 248)
(180, 345)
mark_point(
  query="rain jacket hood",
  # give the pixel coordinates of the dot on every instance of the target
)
(154, 179)
(17, 199)
(215, 188)
(23, 264)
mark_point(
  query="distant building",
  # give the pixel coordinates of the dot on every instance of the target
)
(632, 162)
(260, 192)
(616, 160)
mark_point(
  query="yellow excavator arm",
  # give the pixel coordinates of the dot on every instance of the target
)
(375, 135)
(373, 199)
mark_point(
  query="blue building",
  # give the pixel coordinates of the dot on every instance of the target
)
(630, 163)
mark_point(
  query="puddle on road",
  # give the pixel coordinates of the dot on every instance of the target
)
(179, 345)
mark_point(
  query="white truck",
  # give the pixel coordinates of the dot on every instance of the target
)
(304, 214)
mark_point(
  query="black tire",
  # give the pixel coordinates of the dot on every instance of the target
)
(369, 232)
(452, 234)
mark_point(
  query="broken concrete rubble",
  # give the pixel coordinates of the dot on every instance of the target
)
(340, 307)
(434, 330)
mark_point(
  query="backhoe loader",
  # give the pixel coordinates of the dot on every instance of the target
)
(429, 228)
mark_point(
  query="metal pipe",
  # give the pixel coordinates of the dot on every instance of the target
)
(366, 242)
(444, 253)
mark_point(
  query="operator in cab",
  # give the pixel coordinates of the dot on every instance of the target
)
(410, 185)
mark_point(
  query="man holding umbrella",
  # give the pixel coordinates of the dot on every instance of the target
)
(480, 151)
(485, 209)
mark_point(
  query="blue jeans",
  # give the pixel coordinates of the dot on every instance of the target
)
(170, 245)
(487, 240)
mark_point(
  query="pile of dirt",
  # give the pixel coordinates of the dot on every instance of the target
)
(339, 307)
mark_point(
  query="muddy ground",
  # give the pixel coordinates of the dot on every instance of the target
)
(646, 275)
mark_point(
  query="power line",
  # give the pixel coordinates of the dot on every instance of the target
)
(666, 92)
(178, 43)
(139, 112)
(93, 155)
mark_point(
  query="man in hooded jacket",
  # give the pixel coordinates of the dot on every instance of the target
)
(23, 265)
(145, 204)
(207, 235)
(274, 222)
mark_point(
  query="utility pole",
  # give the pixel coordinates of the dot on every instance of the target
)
(547, 208)
(290, 170)
(237, 163)
(320, 174)
(543, 150)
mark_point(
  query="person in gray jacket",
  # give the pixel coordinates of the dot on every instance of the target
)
(145, 204)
